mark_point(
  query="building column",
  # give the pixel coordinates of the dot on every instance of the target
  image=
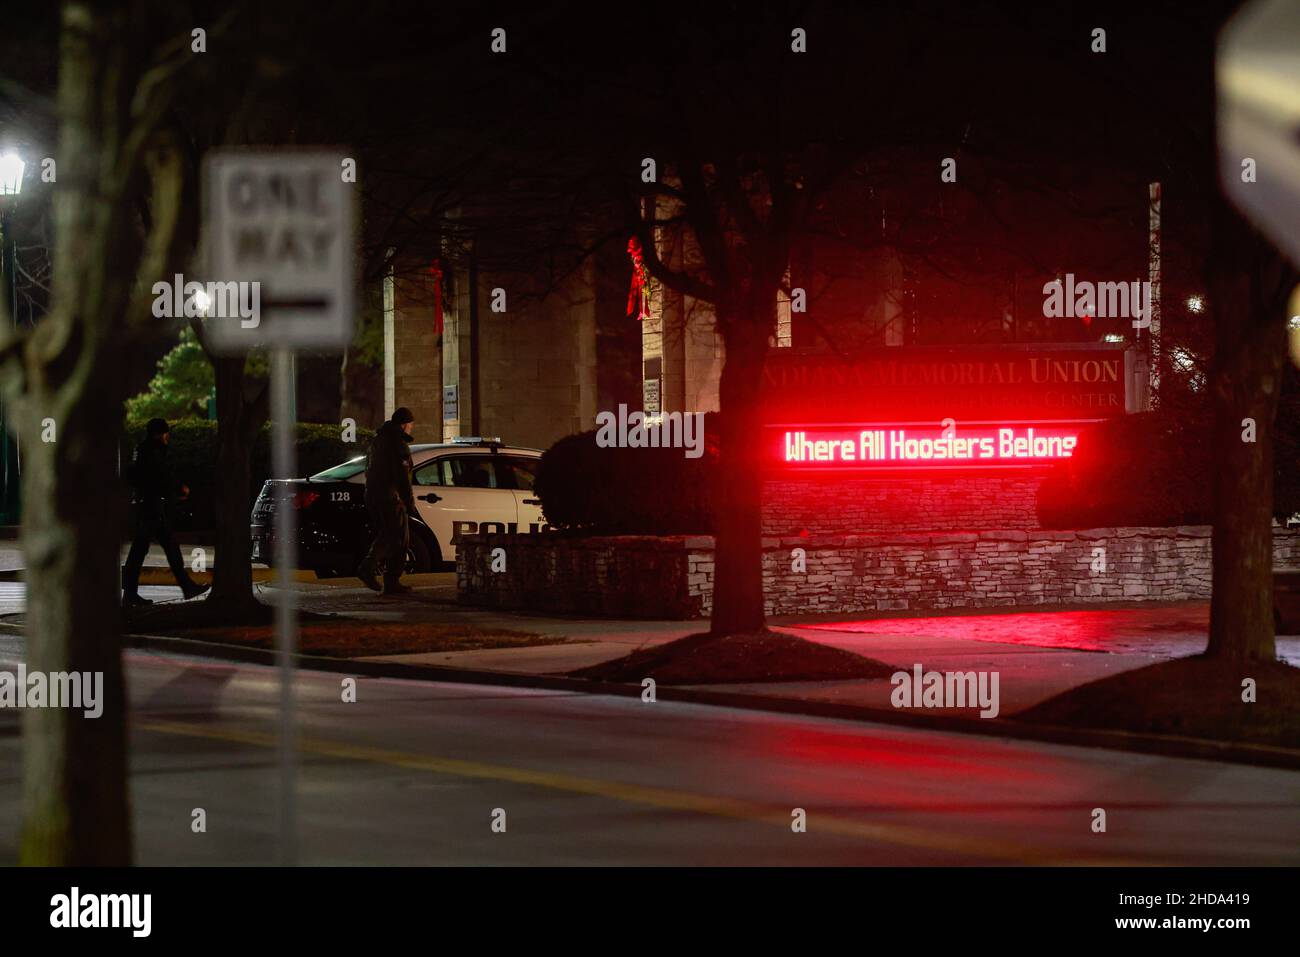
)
(458, 317)
(412, 350)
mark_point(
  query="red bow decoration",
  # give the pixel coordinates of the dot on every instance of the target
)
(435, 269)
(639, 294)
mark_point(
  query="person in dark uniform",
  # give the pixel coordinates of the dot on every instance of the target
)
(388, 502)
(154, 486)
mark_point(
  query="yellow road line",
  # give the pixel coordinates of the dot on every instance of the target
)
(901, 835)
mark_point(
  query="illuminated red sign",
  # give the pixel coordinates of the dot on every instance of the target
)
(923, 445)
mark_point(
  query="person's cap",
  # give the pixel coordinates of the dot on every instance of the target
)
(403, 415)
(157, 427)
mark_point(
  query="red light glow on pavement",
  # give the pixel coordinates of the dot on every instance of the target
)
(1166, 631)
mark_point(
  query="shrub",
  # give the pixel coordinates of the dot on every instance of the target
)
(192, 454)
(181, 385)
(626, 491)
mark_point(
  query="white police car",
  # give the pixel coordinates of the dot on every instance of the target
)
(471, 484)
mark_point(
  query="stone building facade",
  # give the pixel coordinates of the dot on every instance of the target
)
(512, 360)
(532, 363)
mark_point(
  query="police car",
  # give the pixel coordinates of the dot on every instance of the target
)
(468, 485)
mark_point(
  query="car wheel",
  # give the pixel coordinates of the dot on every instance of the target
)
(418, 556)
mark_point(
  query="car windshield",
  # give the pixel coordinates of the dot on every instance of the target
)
(342, 472)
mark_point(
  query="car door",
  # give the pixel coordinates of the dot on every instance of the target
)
(523, 471)
(463, 493)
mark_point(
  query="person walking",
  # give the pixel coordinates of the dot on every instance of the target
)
(388, 502)
(154, 486)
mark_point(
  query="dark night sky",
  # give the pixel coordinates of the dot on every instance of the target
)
(1053, 139)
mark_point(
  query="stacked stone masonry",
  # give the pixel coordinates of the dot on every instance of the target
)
(635, 576)
(839, 503)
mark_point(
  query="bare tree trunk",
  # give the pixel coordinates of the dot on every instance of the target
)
(1241, 605)
(738, 568)
(1249, 286)
(238, 422)
(64, 383)
(75, 809)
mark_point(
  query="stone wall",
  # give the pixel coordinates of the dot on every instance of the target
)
(636, 576)
(839, 504)
(617, 576)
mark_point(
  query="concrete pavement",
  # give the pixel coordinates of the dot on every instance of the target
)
(155, 570)
(1037, 654)
(413, 772)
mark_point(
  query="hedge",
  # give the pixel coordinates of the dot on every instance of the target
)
(629, 491)
(192, 454)
(1148, 469)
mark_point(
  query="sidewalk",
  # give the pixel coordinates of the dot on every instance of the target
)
(1036, 653)
(155, 570)
(1030, 672)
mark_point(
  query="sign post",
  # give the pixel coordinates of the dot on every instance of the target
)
(279, 233)
(286, 610)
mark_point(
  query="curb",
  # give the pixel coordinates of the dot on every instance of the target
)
(162, 575)
(1164, 745)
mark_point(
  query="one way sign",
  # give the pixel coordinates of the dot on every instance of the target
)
(282, 226)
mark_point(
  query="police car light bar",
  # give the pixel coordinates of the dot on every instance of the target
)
(474, 440)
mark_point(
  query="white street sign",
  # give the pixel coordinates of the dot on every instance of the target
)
(650, 396)
(1258, 69)
(285, 221)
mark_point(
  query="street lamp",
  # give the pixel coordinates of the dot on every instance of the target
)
(11, 184)
(11, 174)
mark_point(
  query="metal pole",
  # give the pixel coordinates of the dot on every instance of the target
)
(286, 612)
(474, 428)
(5, 515)
(9, 440)
(293, 390)
(13, 273)
(1153, 275)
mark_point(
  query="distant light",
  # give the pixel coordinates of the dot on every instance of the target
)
(1184, 362)
(1181, 359)
(11, 174)
(203, 301)
(1195, 304)
(1293, 323)
(1112, 337)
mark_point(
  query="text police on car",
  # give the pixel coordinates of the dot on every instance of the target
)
(468, 485)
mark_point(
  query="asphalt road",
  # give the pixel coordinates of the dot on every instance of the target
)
(412, 774)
